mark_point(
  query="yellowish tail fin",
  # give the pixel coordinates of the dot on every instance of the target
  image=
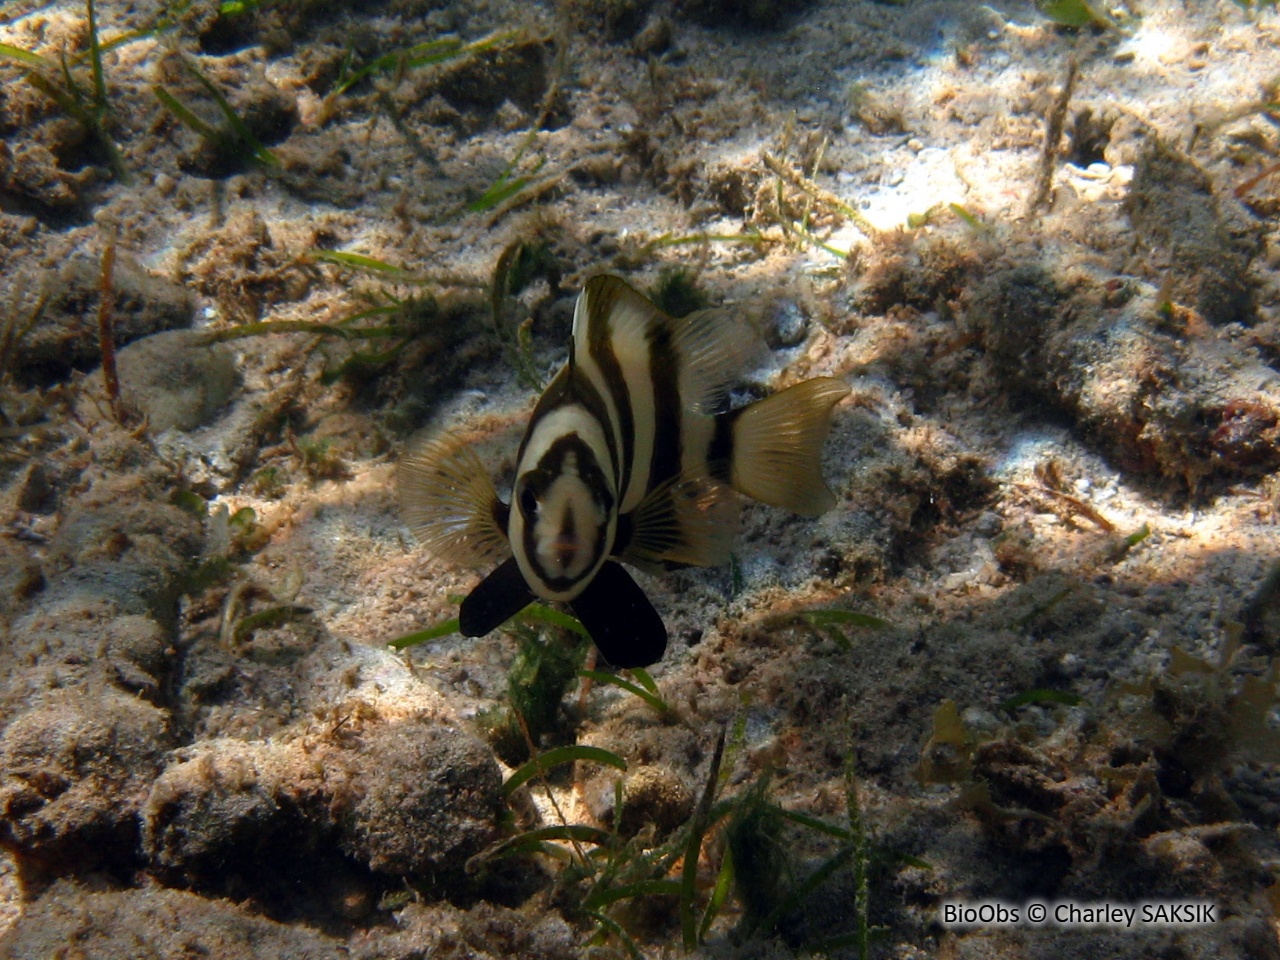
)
(777, 446)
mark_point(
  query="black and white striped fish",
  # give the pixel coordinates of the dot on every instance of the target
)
(625, 459)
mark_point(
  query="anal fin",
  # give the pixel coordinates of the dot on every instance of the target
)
(622, 622)
(498, 598)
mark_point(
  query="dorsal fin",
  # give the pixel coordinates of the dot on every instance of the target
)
(687, 520)
(714, 347)
(711, 345)
(450, 504)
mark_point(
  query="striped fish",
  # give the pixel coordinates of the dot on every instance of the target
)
(626, 458)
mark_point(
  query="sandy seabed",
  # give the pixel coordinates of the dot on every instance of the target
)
(1044, 259)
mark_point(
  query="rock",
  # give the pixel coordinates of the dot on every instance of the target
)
(1261, 615)
(86, 644)
(485, 932)
(21, 577)
(154, 922)
(1187, 404)
(267, 113)
(225, 810)
(654, 39)
(30, 172)
(66, 338)
(651, 794)
(176, 379)
(345, 436)
(614, 20)
(478, 87)
(73, 776)
(121, 543)
(924, 272)
(1018, 309)
(429, 799)
(733, 187)
(788, 325)
(1187, 239)
(1185, 861)
(760, 14)
(34, 492)
(415, 797)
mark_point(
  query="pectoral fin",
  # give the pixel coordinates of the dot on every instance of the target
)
(450, 504)
(621, 620)
(498, 598)
(688, 521)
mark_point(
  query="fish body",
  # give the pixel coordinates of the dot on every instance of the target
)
(629, 457)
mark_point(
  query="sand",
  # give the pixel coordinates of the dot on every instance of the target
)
(1030, 651)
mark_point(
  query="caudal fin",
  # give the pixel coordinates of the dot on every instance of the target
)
(777, 446)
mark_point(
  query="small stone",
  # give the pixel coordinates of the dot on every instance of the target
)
(31, 171)
(988, 524)
(429, 800)
(788, 325)
(66, 338)
(21, 577)
(176, 379)
(1261, 615)
(35, 493)
(654, 39)
(73, 776)
(652, 794)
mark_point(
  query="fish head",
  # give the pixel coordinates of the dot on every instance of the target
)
(563, 521)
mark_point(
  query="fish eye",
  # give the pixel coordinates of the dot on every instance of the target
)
(528, 502)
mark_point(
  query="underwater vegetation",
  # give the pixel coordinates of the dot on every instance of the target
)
(84, 99)
(665, 855)
(1161, 765)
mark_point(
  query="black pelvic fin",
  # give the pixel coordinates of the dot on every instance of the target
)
(620, 618)
(498, 598)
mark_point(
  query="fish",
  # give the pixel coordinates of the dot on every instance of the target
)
(631, 457)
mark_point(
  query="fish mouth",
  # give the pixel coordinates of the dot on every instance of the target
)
(565, 552)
